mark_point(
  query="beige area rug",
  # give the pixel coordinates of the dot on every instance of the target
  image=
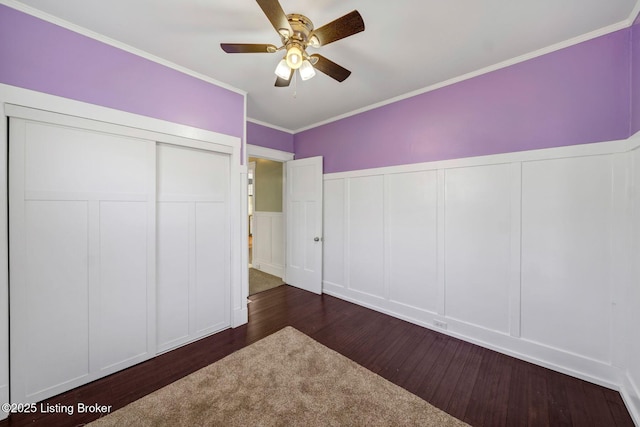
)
(260, 281)
(285, 379)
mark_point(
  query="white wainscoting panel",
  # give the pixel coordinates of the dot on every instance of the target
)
(512, 252)
(566, 238)
(366, 235)
(411, 238)
(268, 241)
(477, 245)
(334, 232)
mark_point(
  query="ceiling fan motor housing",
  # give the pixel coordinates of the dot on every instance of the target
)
(301, 26)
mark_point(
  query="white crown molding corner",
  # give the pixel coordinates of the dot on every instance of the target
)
(269, 125)
(117, 44)
(635, 12)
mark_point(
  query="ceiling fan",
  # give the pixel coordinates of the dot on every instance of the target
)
(297, 33)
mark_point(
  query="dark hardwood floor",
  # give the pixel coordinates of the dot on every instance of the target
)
(478, 386)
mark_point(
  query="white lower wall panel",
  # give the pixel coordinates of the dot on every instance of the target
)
(525, 245)
(365, 236)
(566, 254)
(334, 232)
(268, 242)
(477, 245)
(411, 236)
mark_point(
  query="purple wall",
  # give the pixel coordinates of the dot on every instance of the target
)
(268, 137)
(572, 96)
(635, 77)
(44, 57)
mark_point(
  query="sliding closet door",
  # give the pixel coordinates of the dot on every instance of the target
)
(82, 255)
(193, 290)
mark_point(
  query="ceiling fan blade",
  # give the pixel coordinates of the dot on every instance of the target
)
(330, 68)
(280, 82)
(247, 48)
(345, 26)
(275, 14)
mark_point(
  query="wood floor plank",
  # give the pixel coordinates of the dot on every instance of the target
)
(474, 384)
(481, 394)
(434, 376)
(519, 396)
(498, 391)
(538, 393)
(597, 405)
(411, 359)
(618, 410)
(558, 401)
(446, 389)
(465, 384)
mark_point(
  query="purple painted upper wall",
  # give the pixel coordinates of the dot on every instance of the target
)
(635, 77)
(576, 95)
(268, 137)
(47, 58)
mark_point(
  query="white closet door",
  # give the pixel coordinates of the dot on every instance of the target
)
(193, 290)
(82, 254)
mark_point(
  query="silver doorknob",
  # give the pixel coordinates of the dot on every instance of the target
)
(316, 239)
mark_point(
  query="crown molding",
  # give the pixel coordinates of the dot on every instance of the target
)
(635, 13)
(269, 125)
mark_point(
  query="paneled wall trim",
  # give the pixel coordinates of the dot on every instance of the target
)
(268, 249)
(518, 252)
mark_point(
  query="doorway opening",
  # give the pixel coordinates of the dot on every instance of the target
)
(266, 224)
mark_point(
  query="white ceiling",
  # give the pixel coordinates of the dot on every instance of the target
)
(408, 45)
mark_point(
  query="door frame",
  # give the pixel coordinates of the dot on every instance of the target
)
(251, 167)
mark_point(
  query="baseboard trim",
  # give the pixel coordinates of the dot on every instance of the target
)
(274, 270)
(631, 397)
(574, 365)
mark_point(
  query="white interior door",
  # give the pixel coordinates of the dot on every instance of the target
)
(304, 224)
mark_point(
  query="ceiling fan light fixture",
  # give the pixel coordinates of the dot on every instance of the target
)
(294, 57)
(306, 70)
(282, 70)
(314, 42)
